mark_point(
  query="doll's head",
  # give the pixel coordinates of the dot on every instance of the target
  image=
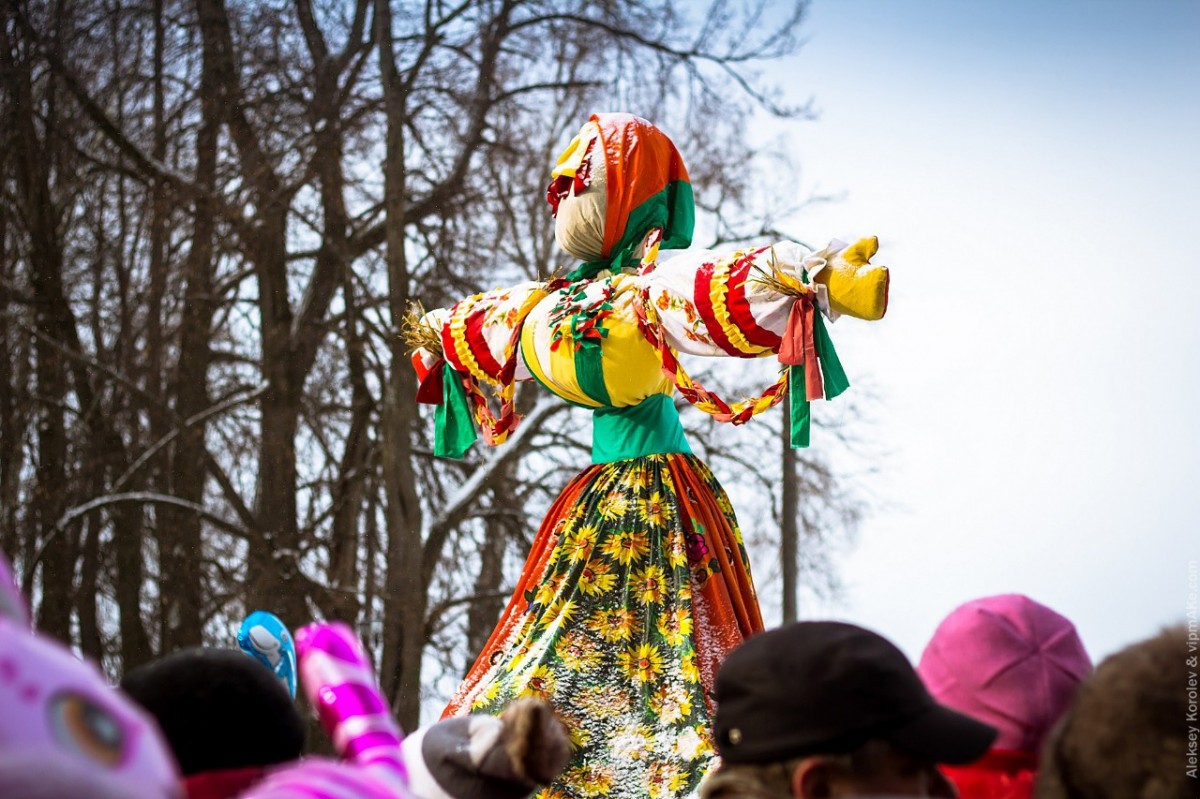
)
(55, 707)
(620, 178)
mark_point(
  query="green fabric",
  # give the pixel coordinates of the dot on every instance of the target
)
(649, 428)
(832, 373)
(549, 387)
(589, 371)
(454, 429)
(799, 406)
(589, 359)
(672, 209)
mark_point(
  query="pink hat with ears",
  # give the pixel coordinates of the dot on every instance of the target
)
(1009, 661)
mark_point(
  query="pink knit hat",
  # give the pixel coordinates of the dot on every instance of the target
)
(1009, 661)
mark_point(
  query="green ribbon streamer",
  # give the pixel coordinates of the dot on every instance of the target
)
(833, 377)
(454, 429)
(799, 406)
(832, 373)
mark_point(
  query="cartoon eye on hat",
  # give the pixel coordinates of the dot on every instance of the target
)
(86, 727)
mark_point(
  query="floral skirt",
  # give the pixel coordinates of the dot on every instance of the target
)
(635, 590)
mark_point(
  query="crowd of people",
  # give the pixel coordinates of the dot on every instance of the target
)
(1003, 704)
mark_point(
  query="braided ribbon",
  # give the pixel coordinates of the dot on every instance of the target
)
(695, 393)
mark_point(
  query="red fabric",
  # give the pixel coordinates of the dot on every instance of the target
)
(478, 343)
(703, 284)
(429, 392)
(999, 774)
(739, 307)
(419, 365)
(799, 346)
(224, 784)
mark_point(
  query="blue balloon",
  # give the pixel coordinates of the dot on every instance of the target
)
(266, 639)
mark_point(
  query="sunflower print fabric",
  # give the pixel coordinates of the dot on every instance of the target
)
(636, 588)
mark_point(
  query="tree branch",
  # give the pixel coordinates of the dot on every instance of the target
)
(148, 166)
(142, 497)
(467, 494)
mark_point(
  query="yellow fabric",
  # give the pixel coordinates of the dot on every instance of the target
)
(857, 287)
(562, 374)
(632, 370)
(631, 367)
(572, 157)
(718, 290)
(458, 334)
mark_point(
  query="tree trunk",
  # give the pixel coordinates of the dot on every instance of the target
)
(181, 546)
(274, 579)
(46, 263)
(352, 476)
(404, 599)
(14, 401)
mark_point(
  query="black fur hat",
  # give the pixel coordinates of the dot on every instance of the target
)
(218, 709)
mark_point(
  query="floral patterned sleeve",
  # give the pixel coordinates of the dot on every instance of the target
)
(716, 303)
(479, 334)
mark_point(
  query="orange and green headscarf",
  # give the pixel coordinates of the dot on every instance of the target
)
(648, 188)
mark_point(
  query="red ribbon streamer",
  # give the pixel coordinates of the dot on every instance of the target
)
(430, 390)
(799, 346)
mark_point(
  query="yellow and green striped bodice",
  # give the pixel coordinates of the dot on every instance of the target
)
(583, 343)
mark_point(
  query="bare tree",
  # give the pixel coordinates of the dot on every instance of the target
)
(215, 215)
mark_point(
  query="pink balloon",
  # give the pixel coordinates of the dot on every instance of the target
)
(340, 683)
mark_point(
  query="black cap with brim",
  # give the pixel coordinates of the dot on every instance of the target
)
(942, 735)
(812, 688)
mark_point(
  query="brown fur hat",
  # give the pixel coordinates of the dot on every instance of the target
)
(487, 757)
(1125, 736)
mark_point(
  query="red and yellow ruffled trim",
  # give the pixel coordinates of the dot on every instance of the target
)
(467, 353)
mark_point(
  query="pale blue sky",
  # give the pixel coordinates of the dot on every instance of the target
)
(1031, 169)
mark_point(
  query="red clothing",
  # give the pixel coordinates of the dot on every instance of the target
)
(1000, 774)
(224, 784)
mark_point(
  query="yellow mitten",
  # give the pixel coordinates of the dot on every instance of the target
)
(857, 287)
